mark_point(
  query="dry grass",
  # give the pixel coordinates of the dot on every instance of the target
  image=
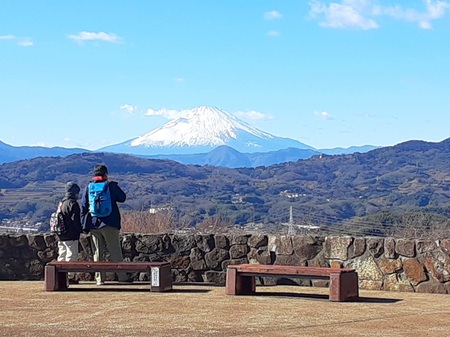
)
(201, 310)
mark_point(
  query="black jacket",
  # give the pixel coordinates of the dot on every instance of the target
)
(71, 213)
(112, 220)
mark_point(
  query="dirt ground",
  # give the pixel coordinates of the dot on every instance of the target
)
(202, 310)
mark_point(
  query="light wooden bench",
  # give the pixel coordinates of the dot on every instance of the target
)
(240, 279)
(55, 277)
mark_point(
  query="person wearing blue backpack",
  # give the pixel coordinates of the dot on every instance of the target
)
(100, 216)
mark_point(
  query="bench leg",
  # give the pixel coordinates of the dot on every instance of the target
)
(343, 286)
(161, 279)
(54, 280)
(237, 284)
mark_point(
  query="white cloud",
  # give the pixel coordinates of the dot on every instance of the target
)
(349, 13)
(129, 108)
(361, 14)
(323, 115)
(167, 113)
(272, 15)
(91, 36)
(7, 37)
(23, 42)
(179, 79)
(273, 33)
(252, 115)
(27, 42)
(434, 11)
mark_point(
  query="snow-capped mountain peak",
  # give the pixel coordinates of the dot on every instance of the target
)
(201, 126)
(201, 130)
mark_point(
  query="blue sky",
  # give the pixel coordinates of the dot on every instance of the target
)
(327, 73)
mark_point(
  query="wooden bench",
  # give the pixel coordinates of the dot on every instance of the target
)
(240, 279)
(56, 272)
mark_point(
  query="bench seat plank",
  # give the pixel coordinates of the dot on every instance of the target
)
(240, 279)
(55, 277)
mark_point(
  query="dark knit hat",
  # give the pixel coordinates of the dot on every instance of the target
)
(100, 170)
(72, 188)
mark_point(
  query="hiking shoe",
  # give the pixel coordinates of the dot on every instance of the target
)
(72, 281)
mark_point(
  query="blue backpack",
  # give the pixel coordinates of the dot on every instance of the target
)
(100, 204)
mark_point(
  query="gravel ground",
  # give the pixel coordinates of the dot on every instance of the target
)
(203, 310)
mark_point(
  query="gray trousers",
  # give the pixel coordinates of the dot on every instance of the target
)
(107, 237)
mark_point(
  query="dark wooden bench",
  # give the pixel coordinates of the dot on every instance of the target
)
(240, 279)
(56, 272)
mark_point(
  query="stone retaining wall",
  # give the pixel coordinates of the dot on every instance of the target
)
(382, 263)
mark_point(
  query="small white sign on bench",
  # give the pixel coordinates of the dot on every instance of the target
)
(154, 271)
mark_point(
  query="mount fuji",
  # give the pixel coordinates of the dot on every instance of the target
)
(203, 129)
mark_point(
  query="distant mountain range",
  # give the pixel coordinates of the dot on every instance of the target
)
(10, 153)
(201, 136)
(325, 190)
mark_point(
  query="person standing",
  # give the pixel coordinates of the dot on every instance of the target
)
(68, 241)
(104, 229)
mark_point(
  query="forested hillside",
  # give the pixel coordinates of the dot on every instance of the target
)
(323, 189)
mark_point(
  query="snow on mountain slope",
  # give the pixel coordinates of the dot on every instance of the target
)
(202, 129)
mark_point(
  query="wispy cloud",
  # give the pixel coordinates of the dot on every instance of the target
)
(179, 79)
(91, 36)
(272, 15)
(273, 33)
(7, 37)
(434, 11)
(252, 115)
(167, 113)
(323, 115)
(349, 13)
(128, 108)
(362, 14)
(26, 42)
(23, 42)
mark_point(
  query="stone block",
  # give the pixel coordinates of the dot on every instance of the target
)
(237, 239)
(370, 285)
(36, 242)
(289, 260)
(258, 240)
(238, 251)
(215, 258)
(205, 242)
(226, 263)
(375, 246)
(215, 277)
(18, 240)
(389, 248)
(180, 262)
(148, 244)
(357, 248)
(337, 247)
(405, 247)
(438, 265)
(280, 244)
(431, 287)
(425, 246)
(389, 266)
(183, 243)
(393, 283)
(259, 256)
(367, 269)
(306, 247)
(221, 241)
(445, 246)
(414, 271)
